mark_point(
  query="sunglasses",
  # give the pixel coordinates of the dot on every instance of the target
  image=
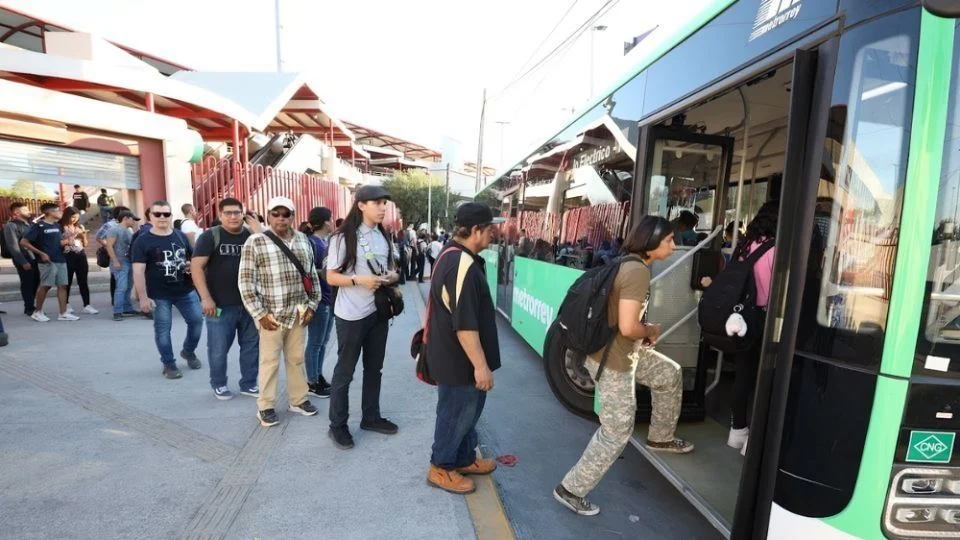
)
(162, 214)
(281, 213)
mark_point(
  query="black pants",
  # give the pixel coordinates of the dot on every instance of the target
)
(413, 264)
(77, 265)
(745, 381)
(404, 266)
(29, 280)
(368, 335)
(433, 262)
(421, 263)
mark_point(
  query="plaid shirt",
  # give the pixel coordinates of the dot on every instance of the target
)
(270, 283)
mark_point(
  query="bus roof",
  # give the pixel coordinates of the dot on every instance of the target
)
(691, 26)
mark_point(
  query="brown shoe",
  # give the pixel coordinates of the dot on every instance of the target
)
(451, 481)
(480, 466)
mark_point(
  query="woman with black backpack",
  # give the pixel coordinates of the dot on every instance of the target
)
(762, 231)
(628, 360)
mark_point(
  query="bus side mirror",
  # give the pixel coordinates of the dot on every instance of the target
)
(949, 9)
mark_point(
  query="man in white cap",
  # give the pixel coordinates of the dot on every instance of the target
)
(280, 289)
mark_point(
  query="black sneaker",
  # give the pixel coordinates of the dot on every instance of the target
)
(320, 388)
(191, 359)
(577, 505)
(341, 437)
(171, 371)
(118, 316)
(380, 425)
(268, 417)
(305, 408)
(676, 446)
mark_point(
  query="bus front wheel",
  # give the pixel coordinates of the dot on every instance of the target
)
(568, 378)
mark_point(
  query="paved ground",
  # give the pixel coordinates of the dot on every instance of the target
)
(523, 418)
(94, 443)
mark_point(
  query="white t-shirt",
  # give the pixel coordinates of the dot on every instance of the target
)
(355, 303)
(435, 248)
(190, 226)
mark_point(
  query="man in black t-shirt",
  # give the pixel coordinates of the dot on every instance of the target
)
(462, 349)
(215, 268)
(80, 200)
(161, 268)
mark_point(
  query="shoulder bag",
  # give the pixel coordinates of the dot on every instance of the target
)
(304, 276)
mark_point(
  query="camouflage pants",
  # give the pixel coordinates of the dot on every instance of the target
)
(618, 409)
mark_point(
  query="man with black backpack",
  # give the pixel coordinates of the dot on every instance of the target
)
(23, 260)
(215, 268)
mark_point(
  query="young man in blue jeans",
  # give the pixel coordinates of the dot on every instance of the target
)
(161, 267)
(117, 241)
(462, 349)
(215, 268)
(322, 323)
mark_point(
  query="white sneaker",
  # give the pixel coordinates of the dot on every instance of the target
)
(69, 309)
(68, 317)
(738, 438)
(90, 310)
(40, 316)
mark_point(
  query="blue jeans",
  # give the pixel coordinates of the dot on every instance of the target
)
(455, 437)
(189, 307)
(233, 321)
(320, 328)
(121, 296)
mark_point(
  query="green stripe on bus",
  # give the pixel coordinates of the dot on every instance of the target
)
(920, 195)
(862, 516)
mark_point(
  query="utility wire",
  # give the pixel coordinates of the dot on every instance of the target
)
(544, 42)
(565, 43)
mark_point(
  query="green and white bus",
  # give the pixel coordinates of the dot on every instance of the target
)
(848, 113)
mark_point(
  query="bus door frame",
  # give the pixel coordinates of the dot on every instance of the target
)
(811, 92)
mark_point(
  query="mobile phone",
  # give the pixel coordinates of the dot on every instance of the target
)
(218, 312)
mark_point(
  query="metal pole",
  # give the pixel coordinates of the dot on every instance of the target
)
(276, 9)
(743, 165)
(483, 112)
(430, 201)
(446, 206)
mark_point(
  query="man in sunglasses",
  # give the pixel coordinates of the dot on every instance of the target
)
(161, 274)
(280, 289)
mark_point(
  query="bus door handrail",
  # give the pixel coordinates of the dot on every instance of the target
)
(706, 241)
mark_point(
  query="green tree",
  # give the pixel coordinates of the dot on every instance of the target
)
(409, 191)
(26, 189)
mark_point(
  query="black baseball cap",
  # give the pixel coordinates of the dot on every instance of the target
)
(472, 214)
(319, 215)
(371, 193)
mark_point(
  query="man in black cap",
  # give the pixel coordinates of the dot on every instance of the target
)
(462, 349)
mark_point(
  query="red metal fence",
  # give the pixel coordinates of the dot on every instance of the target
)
(595, 223)
(34, 205)
(255, 185)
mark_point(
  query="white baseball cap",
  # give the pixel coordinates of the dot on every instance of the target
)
(281, 201)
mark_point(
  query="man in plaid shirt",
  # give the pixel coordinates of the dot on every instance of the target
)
(277, 297)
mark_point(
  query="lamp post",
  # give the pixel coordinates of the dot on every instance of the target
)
(593, 30)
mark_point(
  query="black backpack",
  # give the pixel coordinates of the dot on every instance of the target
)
(733, 291)
(583, 313)
(4, 248)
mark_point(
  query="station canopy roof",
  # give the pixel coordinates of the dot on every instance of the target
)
(372, 138)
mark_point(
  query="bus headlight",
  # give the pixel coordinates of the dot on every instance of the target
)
(923, 503)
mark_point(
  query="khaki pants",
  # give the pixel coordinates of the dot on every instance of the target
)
(290, 342)
(618, 410)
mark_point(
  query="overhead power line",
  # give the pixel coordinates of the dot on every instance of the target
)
(544, 42)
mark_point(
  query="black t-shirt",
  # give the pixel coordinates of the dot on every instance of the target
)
(223, 268)
(166, 258)
(80, 200)
(46, 237)
(460, 300)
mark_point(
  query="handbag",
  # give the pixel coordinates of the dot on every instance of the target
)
(304, 276)
(103, 258)
(418, 344)
(387, 299)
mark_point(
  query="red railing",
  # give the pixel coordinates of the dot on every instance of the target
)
(595, 223)
(255, 185)
(33, 204)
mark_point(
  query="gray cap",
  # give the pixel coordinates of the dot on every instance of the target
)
(371, 193)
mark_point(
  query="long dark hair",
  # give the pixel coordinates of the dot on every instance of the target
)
(763, 227)
(67, 215)
(348, 231)
(647, 234)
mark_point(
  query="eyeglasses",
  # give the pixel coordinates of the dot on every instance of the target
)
(232, 213)
(162, 214)
(280, 213)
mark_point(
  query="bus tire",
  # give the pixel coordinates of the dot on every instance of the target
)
(568, 379)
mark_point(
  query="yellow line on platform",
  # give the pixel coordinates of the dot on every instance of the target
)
(486, 509)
